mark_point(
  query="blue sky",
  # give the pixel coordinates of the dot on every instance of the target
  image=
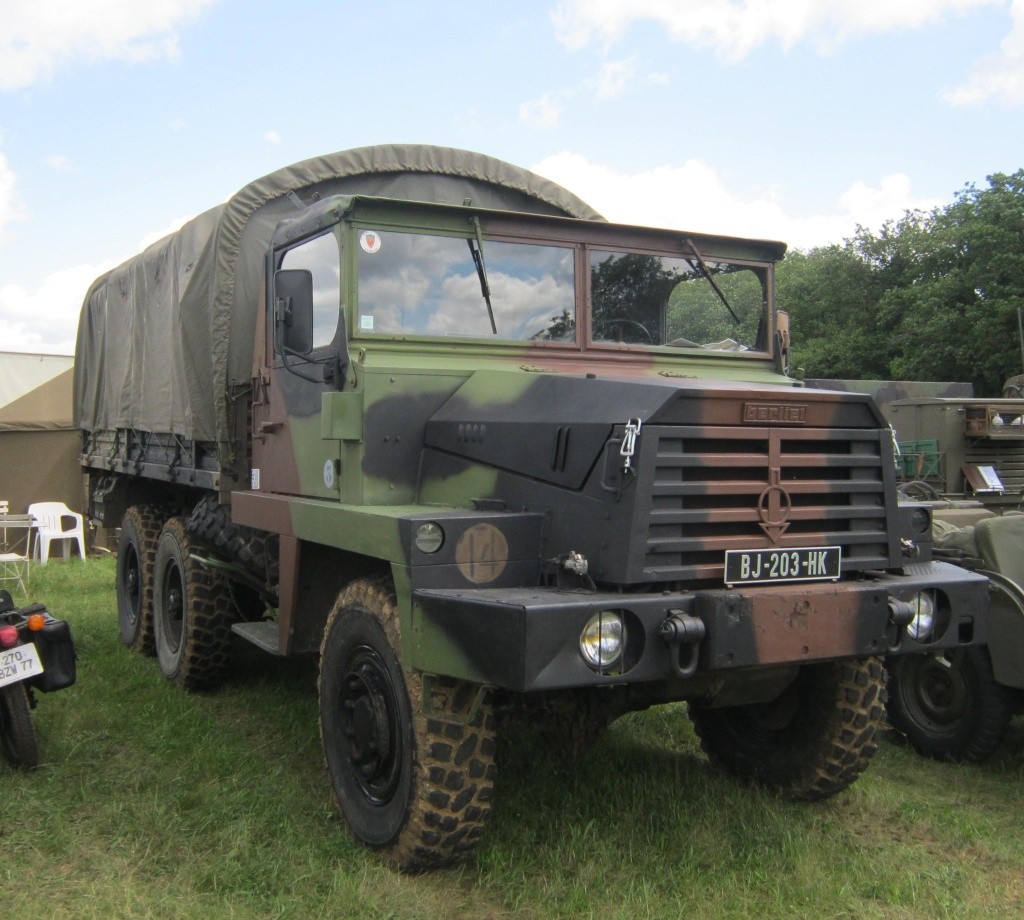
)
(786, 119)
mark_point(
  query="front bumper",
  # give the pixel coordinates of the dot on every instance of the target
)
(528, 638)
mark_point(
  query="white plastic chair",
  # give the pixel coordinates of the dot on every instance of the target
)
(52, 523)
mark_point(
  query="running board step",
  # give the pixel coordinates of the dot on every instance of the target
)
(263, 634)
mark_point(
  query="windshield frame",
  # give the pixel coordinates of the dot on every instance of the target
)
(582, 237)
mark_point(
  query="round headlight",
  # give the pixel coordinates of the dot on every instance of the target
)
(429, 537)
(921, 627)
(603, 639)
(920, 521)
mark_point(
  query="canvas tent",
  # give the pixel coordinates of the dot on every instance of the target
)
(39, 444)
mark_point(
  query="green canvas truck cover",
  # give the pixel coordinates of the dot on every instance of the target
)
(166, 339)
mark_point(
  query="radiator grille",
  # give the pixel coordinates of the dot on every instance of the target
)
(742, 488)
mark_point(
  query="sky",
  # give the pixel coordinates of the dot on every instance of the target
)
(796, 120)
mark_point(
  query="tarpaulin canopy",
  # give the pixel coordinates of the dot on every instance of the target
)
(166, 339)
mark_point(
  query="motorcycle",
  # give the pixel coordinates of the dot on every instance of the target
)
(36, 653)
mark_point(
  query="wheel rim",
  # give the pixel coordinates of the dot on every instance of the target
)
(371, 725)
(173, 607)
(132, 580)
(935, 694)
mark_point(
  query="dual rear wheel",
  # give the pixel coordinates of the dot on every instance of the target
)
(169, 603)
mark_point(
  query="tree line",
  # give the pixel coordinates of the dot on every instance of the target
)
(931, 296)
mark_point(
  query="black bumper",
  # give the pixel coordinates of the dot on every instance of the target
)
(528, 638)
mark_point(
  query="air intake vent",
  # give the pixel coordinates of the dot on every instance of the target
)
(721, 488)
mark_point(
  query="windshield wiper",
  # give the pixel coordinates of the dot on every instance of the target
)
(476, 248)
(707, 274)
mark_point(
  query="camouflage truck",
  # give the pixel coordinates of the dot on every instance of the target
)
(425, 414)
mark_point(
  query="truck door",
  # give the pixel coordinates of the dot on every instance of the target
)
(303, 356)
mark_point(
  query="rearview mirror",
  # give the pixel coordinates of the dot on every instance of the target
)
(293, 311)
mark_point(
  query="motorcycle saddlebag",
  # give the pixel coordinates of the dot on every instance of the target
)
(57, 651)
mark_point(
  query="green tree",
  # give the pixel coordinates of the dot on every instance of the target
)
(928, 297)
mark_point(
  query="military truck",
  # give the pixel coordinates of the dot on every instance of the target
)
(965, 457)
(427, 415)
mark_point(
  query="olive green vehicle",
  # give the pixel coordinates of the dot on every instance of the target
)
(427, 415)
(965, 457)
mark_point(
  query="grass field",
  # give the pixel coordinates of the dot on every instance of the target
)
(155, 803)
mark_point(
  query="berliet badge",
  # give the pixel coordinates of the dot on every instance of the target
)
(773, 507)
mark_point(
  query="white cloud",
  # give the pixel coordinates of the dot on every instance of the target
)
(999, 75)
(541, 113)
(38, 35)
(46, 320)
(11, 207)
(734, 28)
(58, 162)
(614, 77)
(694, 196)
(272, 137)
(150, 238)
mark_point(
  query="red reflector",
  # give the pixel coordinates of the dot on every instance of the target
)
(8, 636)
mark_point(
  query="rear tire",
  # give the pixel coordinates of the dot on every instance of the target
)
(192, 608)
(136, 555)
(948, 704)
(414, 786)
(17, 733)
(812, 741)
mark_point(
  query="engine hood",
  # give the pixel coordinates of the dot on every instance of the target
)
(553, 427)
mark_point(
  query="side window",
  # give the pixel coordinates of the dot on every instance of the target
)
(321, 257)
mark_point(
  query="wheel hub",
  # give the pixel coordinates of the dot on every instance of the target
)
(174, 612)
(371, 726)
(940, 692)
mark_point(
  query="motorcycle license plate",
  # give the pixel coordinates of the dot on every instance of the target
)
(19, 663)
(768, 566)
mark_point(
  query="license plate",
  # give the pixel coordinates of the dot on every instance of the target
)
(758, 566)
(19, 663)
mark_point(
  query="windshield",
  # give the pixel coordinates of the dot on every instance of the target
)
(420, 284)
(641, 299)
(427, 284)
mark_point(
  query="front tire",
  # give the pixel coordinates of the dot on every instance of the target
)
(191, 613)
(17, 733)
(948, 704)
(415, 786)
(812, 741)
(136, 555)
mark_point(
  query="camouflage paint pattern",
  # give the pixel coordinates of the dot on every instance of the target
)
(473, 468)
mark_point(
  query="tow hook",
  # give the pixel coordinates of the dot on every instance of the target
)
(901, 614)
(679, 629)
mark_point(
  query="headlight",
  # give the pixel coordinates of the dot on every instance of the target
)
(429, 537)
(603, 639)
(923, 624)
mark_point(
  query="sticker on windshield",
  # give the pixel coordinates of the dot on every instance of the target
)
(369, 240)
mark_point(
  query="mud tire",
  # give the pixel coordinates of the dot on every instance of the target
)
(948, 705)
(210, 522)
(811, 742)
(192, 613)
(136, 554)
(414, 787)
(17, 733)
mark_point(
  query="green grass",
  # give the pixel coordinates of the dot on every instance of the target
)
(157, 803)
